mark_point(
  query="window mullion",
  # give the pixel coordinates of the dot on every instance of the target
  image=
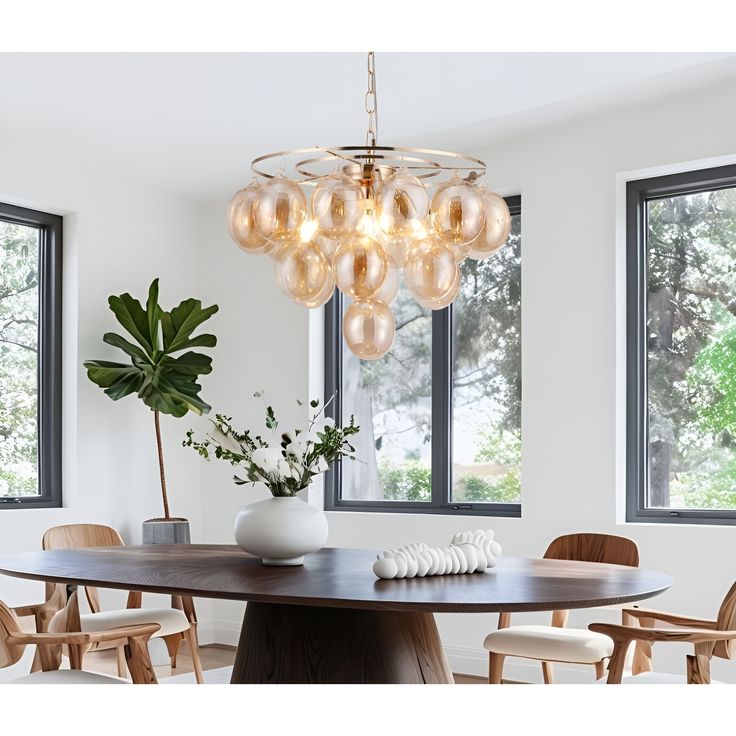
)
(441, 405)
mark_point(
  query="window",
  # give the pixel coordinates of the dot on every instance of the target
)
(30, 358)
(440, 414)
(681, 357)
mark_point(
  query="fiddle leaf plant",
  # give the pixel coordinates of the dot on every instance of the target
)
(164, 382)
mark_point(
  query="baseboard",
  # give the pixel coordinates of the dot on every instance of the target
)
(218, 631)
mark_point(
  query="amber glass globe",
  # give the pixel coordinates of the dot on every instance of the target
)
(389, 288)
(337, 205)
(360, 267)
(368, 329)
(241, 221)
(430, 269)
(457, 212)
(497, 227)
(396, 249)
(301, 271)
(281, 210)
(402, 205)
(447, 299)
(323, 297)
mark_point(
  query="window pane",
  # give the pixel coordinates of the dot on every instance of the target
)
(691, 340)
(486, 378)
(18, 360)
(391, 399)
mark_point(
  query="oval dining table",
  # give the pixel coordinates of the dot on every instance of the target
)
(330, 620)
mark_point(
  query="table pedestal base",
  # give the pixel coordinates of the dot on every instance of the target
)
(310, 644)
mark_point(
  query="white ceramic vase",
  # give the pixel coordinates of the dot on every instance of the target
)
(281, 530)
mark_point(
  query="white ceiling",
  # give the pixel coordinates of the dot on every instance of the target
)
(193, 122)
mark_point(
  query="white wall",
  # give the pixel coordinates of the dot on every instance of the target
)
(118, 235)
(567, 176)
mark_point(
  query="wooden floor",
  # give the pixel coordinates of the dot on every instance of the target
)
(213, 657)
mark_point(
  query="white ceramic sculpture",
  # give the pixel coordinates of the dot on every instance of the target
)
(472, 551)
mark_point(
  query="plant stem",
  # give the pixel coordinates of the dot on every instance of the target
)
(161, 464)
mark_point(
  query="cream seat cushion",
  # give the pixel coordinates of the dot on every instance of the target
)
(67, 677)
(171, 620)
(550, 643)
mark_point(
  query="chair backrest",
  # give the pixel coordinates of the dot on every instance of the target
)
(77, 536)
(726, 621)
(9, 653)
(606, 548)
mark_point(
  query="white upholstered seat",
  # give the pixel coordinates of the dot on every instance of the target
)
(67, 677)
(171, 620)
(550, 643)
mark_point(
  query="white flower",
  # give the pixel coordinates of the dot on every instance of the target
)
(322, 465)
(267, 459)
(286, 470)
(329, 423)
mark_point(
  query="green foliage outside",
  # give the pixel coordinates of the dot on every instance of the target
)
(18, 360)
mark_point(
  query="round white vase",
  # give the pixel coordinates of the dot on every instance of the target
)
(281, 530)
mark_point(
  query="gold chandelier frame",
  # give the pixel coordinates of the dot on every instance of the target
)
(301, 164)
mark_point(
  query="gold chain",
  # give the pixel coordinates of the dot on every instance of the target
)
(371, 102)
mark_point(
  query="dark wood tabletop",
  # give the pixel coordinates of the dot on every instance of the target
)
(338, 578)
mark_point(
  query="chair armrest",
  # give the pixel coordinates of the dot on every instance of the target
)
(670, 618)
(82, 638)
(633, 633)
(30, 610)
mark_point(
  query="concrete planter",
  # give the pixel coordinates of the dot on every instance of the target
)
(166, 531)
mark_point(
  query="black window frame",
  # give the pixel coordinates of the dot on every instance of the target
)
(49, 356)
(638, 193)
(442, 420)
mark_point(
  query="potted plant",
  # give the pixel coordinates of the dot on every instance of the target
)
(164, 382)
(283, 528)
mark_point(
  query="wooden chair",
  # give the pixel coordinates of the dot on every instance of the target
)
(175, 622)
(13, 640)
(709, 638)
(556, 643)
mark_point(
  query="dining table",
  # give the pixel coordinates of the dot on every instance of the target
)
(331, 620)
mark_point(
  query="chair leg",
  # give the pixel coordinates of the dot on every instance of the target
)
(548, 673)
(698, 665)
(173, 642)
(600, 669)
(191, 636)
(122, 665)
(617, 662)
(76, 653)
(495, 668)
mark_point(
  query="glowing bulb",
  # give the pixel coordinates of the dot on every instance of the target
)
(307, 230)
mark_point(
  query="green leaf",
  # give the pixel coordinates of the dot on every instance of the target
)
(190, 364)
(131, 316)
(118, 341)
(153, 312)
(179, 324)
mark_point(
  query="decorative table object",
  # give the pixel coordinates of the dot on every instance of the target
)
(163, 382)
(473, 551)
(281, 529)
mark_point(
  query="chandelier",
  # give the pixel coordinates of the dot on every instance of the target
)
(374, 211)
